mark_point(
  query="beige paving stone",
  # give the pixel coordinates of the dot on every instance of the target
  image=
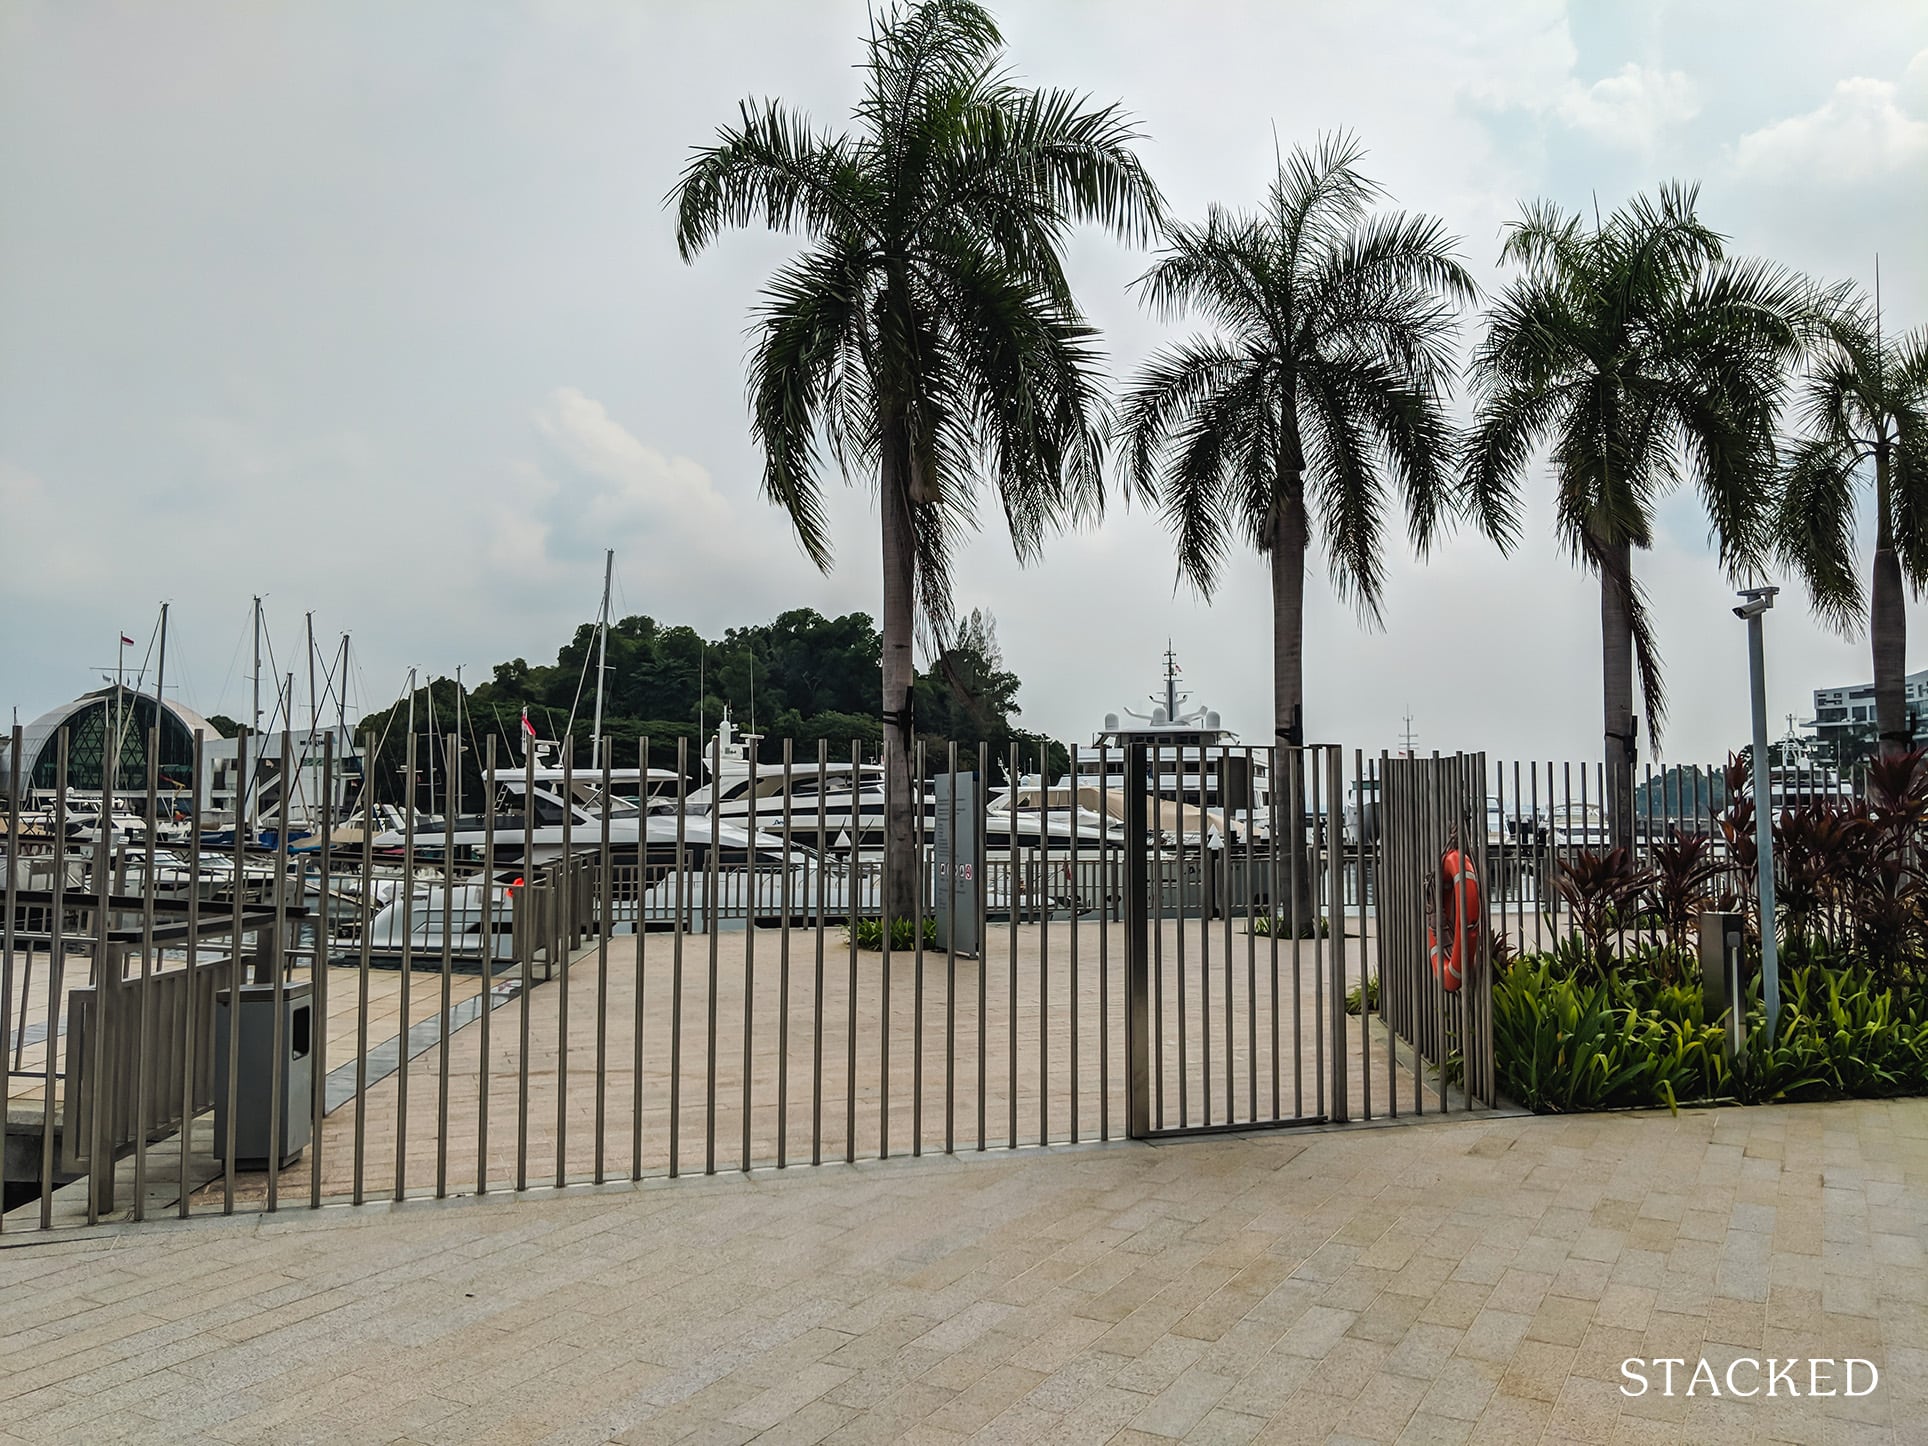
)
(1374, 1285)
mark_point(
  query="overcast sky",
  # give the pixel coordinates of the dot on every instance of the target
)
(374, 309)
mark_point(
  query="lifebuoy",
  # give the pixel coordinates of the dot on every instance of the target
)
(1460, 922)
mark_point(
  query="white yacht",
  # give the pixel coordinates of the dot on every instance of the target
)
(1195, 759)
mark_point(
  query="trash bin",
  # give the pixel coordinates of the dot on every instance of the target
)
(255, 1065)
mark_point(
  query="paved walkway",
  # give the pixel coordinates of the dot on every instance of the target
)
(1444, 1282)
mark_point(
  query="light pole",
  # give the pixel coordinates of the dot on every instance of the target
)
(1754, 602)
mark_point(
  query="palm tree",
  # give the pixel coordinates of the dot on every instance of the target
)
(1321, 386)
(1645, 357)
(928, 332)
(1863, 400)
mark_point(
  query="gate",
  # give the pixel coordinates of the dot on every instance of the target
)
(1277, 957)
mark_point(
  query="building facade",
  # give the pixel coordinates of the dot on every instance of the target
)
(1843, 721)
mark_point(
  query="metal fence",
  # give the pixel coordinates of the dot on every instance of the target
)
(517, 998)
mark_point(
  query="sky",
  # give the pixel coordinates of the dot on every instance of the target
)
(375, 311)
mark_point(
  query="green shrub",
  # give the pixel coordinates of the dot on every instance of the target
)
(869, 934)
(1265, 925)
(1566, 1041)
(1363, 998)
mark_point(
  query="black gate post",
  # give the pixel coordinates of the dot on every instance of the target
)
(1138, 886)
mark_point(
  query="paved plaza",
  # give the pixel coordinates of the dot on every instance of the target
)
(1464, 1280)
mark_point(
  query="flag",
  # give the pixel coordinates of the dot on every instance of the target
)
(127, 641)
(527, 726)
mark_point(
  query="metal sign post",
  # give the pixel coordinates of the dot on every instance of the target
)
(954, 862)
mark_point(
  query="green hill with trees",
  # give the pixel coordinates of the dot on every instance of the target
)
(802, 677)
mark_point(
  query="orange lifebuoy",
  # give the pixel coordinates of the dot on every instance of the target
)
(1460, 924)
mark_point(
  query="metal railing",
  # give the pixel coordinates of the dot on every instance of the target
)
(495, 1003)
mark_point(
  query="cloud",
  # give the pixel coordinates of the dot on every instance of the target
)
(613, 487)
(1632, 107)
(1866, 130)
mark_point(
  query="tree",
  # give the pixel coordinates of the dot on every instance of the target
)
(1863, 400)
(1645, 357)
(928, 332)
(1322, 387)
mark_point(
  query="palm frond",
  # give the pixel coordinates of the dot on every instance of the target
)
(768, 166)
(1169, 389)
(1814, 528)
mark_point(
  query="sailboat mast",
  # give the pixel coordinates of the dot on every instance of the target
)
(160, 687)
(314, 702)
(257, 665)
(411, 733)
(602, 655)
(429, 689)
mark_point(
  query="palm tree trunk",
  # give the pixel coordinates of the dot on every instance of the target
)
(1616, 676)
(1888, 621)
(1288, 686)
(1288, 625)
(900, 552)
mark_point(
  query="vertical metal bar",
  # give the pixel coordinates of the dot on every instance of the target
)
(525, 935)
(1387, 904)
(1321, 1023)
(714, 910)
(566, 926)
(917, 958)
(1336, 912)
(1228, 853)
(1251, 940)
(638, 990)
(1139, 1063)
(885, 903)
(451, 772)
(1104, 936)
(980, 860)
(12, 888)
(783, 965)
(1011, 1000)
(142, 1063)
(1298, 861)
(1275, 841)
(605, 897)
(100, 1159)
(749, 961)
(243, 788)
(487, 1057)
(852, 884)
(1156, 903)
(1071, 822)
(366, 914)
(189, 1031)
(1184, 1033)
(1044, 944)
(1438, 839)
(1365, 955)
(949, 884)
(816, 1012)
(676, 961)
(319, 977)
(278, 966)
(408, 968)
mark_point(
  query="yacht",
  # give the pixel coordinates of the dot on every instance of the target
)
(1194, 759)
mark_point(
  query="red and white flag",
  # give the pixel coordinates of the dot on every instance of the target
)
(127, 641)
(527, 726)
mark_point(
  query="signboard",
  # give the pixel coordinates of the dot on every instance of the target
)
(954, 861)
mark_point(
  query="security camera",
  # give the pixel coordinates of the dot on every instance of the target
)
(1755, 601)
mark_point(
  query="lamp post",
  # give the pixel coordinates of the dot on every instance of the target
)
(1754, 602)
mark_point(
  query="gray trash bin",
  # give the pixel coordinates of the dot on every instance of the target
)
(254, 1095)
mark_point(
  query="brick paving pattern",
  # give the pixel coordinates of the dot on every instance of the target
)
(1472, 1281)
